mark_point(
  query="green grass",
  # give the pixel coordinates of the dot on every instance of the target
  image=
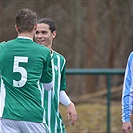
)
(92, 118)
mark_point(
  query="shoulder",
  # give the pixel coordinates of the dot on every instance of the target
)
(130, 56)
(61, 58)
(3, 44)
(130, 59)
(42, 48)
(7, 42)
(58, 54)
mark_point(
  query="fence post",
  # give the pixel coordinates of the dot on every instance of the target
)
(108, 102)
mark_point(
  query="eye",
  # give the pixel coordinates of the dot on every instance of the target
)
(44, 32)
(37, 32)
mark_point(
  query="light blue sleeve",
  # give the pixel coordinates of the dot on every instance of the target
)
(127, 94)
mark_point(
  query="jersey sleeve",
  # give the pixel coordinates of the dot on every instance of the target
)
(2, 45)
(47, 70)
(127, 94)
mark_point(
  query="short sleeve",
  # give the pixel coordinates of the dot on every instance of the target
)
(47, 70)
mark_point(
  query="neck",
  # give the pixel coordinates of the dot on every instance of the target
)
(26, 34)
(50, 49)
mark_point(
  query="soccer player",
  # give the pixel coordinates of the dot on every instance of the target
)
(23, 64)
(45, 34)
(127, 96)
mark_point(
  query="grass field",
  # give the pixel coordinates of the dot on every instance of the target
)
(92, 118)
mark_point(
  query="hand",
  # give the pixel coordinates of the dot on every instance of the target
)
(127, 127)
(71, 113)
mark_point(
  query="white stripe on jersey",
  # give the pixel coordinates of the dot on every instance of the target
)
(50, 96)
(49, 108)
(58, 68)
(59, 77)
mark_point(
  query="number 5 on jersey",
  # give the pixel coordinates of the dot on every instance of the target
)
(21, 70)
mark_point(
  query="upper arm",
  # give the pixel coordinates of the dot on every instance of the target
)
(47, 70)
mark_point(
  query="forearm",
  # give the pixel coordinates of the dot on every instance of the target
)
(127, 99)
(64, 99)
(126, 112)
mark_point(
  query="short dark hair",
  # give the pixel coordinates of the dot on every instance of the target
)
(25, 20)
(50, 22)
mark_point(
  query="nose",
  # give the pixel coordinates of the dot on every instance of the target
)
(40, 35)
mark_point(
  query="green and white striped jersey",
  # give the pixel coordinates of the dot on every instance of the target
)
(53, 117)
(23, 63)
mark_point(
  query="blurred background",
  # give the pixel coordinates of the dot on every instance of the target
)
(90, 34)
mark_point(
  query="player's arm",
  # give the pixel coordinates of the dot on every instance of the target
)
(64, 99)
(127, 90)
(126, 127)
(126, 95)
(47, 75)
(71, 110)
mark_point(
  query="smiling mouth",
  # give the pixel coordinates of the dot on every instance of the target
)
(40, 41)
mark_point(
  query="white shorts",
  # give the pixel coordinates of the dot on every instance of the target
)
(13, 126)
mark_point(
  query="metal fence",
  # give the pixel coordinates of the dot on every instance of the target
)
(108, 73)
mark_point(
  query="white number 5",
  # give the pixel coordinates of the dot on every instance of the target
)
(21, 70)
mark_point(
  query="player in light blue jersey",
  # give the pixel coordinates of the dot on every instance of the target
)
(127, 96)
(23, 65)
(45, 33)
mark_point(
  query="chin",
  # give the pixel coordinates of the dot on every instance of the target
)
(40, 43)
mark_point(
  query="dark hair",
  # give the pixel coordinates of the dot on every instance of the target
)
(49, 21)
(25, 20)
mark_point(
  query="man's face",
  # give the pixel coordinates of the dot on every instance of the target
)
(44, 36)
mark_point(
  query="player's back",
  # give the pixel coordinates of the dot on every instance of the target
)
(22, 63)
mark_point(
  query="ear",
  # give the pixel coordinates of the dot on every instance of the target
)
(35, 26)
(54, 34)
(16, 28)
